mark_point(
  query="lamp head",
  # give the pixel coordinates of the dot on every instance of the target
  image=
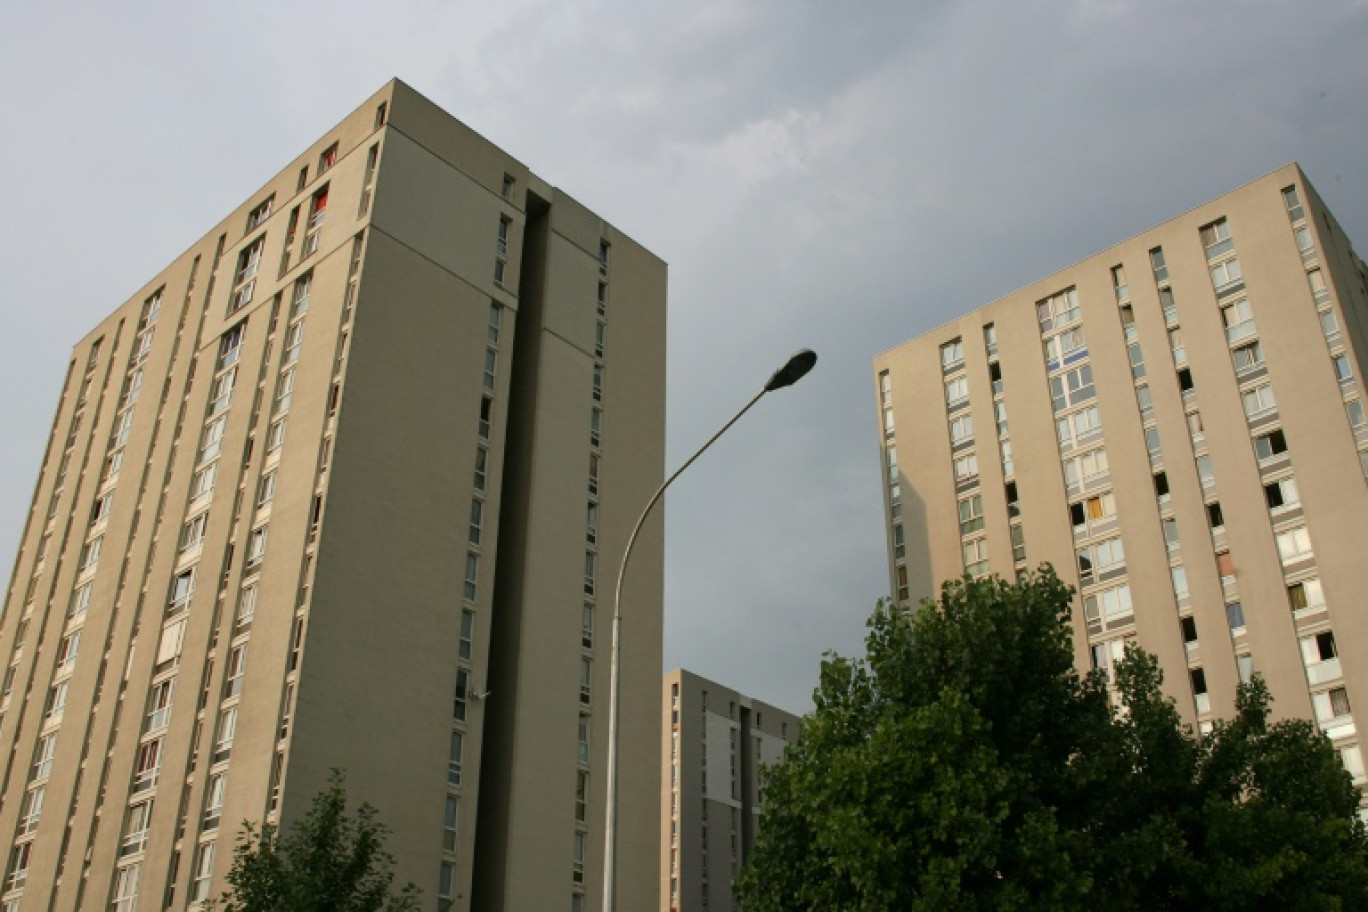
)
(798, 365)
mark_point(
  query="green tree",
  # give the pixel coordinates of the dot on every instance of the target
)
(964, 764)
(329, 861)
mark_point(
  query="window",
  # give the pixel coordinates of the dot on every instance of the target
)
(1225, 566)
(213, 799)
(1354, 410)
(80, 602)
(600, 330)
(449, 818)
(204, 869)
(1318, 648)
(1342, 369)
(1196, 429)
(454, 759)
(1180, 583)
(1099, 558)
(990, 339)
(1293, 544)
(1137, 360)
(30, 810)
(1281, 493)
(1127, 314)
(1188, 625)
(952, 354)
(1216, 239)
(1168, 305)
(1175, 337)
(1118, 274)
(284, 391)
(1152, 442)
(1093, 509)
(1000, 414)
(1305, 244)
(1247, 357)
(1079, 426)
(328, 158)
(583, 737)
(1169, 525)
(1214, 515)
(1185, 380)
(237, 667)
(211, 440)
(244, 279)
(1331, 705)
(1270, 446)
(587, 625)
(1236, 619)
(182, 587)
(596, 384)
(66, 652)
(486, 410)
(259, 214)
(1018, 545)
(126, 889)
(1238, 318)
(224, 732)
(1072, 388)
(1013, 499)
(971, 515)
(147, 765)
(1329, 325)
(956, 391)
(966, 467)
(1205, 472)
(1144, 398)
(460, 701)
(961, 430)
(1306, 594)
(42, 757)
(1293, 203)
(135, 829)
(1226, 275)
(1008, 466)
(586, 680)
(1259, 400)
(1106, 654)
(1318, 290)
(590, 562)
(995, 376)
(246, 606)
(159, 705)
(463, 649)
(1058, 310)
(192, 533)
(1158, 264)
(256, 548)
(1108, 604)
(476, 520)
(1199, 690)
(976, 557)
(472, 573)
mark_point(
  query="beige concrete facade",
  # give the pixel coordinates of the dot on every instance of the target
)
(715, 741)
(1176, 424)
(341, 487)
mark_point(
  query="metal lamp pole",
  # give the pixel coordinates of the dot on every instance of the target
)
(799, 364)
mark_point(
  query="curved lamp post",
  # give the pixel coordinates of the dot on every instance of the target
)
(799, 364)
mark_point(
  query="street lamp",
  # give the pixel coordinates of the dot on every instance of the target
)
(799, 364)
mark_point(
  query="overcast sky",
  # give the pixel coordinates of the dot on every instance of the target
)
(839, 176)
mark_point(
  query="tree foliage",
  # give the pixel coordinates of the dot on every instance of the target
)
(329, 861)
(964, 764)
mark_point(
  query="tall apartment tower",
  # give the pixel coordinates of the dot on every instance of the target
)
(340, 487)
(715, 741)
(1177, 424)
